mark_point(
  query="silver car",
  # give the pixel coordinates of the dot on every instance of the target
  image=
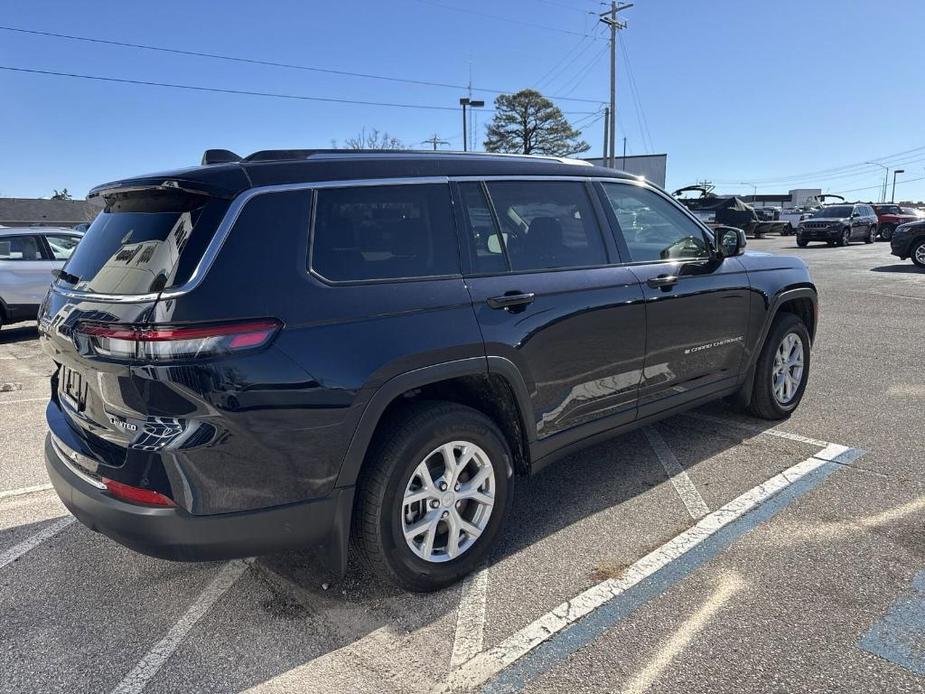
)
(27, 257)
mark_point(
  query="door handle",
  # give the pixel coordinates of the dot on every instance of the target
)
(662, 281)
(511, 300)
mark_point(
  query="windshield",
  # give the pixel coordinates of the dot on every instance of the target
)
(143, 243)
(834, 212)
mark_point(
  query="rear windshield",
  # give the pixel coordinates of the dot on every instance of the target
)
(143, 243)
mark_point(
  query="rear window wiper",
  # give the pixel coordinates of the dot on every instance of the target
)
(66, 276)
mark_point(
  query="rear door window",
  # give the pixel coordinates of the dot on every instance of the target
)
(547, 224)
(20, 248)
(384, 232)
(143, 243)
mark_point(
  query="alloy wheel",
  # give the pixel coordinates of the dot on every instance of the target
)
(918, 255)
(787, 372)
(448, 501)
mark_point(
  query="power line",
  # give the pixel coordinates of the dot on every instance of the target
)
(265, 63)
(241, 92)
(586, 70)
(567, 61)
(837, 169)
(880, 186)
(637, 100)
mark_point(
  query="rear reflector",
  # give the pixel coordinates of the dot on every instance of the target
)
(165, 343)
(136, 495)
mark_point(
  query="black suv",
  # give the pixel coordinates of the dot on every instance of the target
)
(292, 348)
(839, 225)
(908, 241)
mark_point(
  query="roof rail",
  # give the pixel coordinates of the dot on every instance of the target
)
(289, 154)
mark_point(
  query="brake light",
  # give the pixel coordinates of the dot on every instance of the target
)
(165, 343)
(136, 495)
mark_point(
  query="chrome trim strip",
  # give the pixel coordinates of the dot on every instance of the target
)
(64, 455)
(238, 203)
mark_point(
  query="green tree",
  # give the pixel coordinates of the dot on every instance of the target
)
(61, 195)
(529, 123)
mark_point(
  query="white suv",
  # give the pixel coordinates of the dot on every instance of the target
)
(27, 257)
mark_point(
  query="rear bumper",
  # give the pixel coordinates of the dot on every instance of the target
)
(171, 533)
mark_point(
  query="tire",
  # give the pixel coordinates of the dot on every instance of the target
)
(917, 253)
(886, 231)
(871, 235)
(413, 439)
(845, 238)
(802, 243)
(764, 402)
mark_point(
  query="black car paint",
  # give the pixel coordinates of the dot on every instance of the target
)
(832, 228)
(281, 433)
(905, 237)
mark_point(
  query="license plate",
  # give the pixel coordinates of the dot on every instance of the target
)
(72, 388)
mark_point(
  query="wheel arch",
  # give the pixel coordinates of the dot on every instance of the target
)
(492, 385)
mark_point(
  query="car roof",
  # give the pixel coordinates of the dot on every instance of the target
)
(283, 167)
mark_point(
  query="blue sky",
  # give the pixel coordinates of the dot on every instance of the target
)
(733, 91)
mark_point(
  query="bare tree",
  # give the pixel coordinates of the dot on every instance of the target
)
(374, 139)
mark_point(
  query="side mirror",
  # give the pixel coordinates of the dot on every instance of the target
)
(855, 215)
(730, 241)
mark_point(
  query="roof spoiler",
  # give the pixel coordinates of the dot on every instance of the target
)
(219, 156)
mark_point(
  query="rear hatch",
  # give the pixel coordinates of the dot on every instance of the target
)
(148, 239)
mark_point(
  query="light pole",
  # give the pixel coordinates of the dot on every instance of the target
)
(886, 177)
(471, 103)
(754, 189)
(897, 171)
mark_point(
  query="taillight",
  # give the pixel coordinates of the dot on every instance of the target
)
(136, 495)
(166, 343)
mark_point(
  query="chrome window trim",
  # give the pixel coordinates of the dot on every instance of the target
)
(238, 203)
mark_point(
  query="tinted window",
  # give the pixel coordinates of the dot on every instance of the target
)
(834, 212)
(547, 224)
(143, 243)
(62, 246)
(20, 248)
(485, 246)
(653, 228)
(383, 232)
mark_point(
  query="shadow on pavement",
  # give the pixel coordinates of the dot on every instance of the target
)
(19, 333)
(905, 268)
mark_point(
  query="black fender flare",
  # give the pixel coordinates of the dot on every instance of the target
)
(773, 309)
(417, 378)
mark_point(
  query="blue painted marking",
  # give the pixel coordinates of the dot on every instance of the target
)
(588, 629)
(900, 636)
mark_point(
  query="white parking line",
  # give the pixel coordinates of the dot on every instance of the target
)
(14, 402)
(487, 664)
(154, 659)
(695, 504)
(16, 551)
(8, 493)
(470, 618)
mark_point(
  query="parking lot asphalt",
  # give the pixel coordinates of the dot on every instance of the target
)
(672, 559)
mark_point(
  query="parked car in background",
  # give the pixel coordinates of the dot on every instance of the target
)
(890, 216)
(839, 225)
(27, 258)
(908, 241)
(460, 320)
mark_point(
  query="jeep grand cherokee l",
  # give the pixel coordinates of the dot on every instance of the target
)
(293, 348)
(839, 225)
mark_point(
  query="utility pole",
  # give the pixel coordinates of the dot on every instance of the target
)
(434, 140)
(623, 163)
(895, 171)
(471, 103)
(610, 19)
(606, 130)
